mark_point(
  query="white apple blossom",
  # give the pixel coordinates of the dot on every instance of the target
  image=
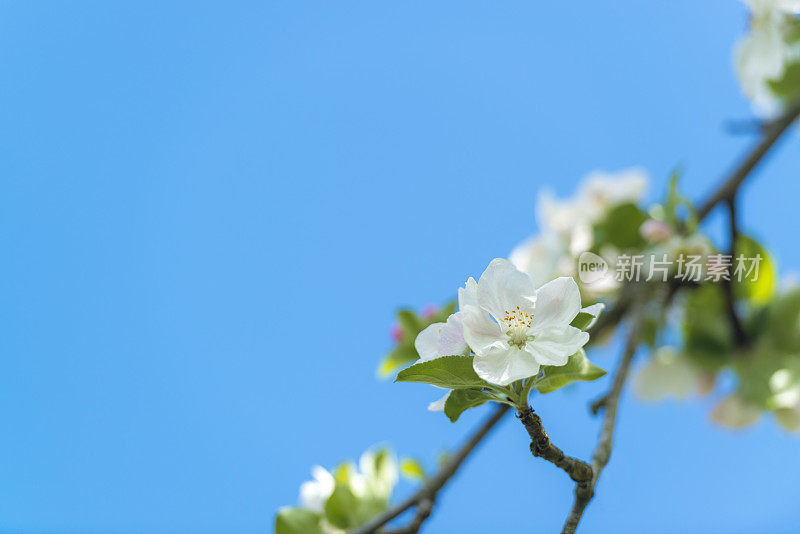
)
(314, 493)
(597, 194)
(543, 258)
(513, 328)
(762, 56)
(379, 473)
(667, 374)
(760, 7)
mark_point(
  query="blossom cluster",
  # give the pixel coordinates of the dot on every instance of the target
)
(334, 502)
(767, 60)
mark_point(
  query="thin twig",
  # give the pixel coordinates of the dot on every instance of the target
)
(424, 498)
(739, 334)
(424, 509)
(772, 132)
(427, 493)
(584, 491)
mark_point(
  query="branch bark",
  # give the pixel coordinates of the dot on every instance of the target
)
(584, 491)
(541, 446)
(739, 335)
(772, 132)
(425, 497)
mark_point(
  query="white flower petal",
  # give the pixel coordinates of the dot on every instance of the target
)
(557, 215)
(557, 303)
(438, 405)
(468, 295)
(502, 366)
(733, 412)
(502, 287)
(555, 345)
(451, 339)
(601, 190)
(378, 472)
(427, 342)
(314, 493)
(480, 331)
(542, 257)
(667, 374)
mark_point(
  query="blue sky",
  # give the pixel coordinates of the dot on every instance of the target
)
(209, 213)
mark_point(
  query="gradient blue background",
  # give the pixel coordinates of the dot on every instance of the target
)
(210, 211)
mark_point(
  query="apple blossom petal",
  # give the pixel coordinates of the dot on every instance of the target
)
(438, 405)
(502, 366)
(734, 412)
(557, 215)
(554, 346)
(502, 287)
(481, 332)
(427, 342)
(667, 374)
(605, 190)
(451, 338)
(314, 493)
(468, 295)
(541, 257)
(557, 304)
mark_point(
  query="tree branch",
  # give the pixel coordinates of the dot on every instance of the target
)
(772, 132)
(541, 446)
(739, 334)
(584, 491)
(424, 498)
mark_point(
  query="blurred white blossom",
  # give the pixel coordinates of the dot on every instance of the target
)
(597, 194)
(763, 54)
(314, 493)
(667, 374)
(543, 258)
(735, 412)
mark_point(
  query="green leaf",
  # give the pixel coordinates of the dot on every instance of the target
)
(760, 289)
(620, 228)
(578, 367)
(707, 336)
(297, 521)
(675, 201)
(411, 468)
(341, 508)
(781, 330)
(461, 400)
(788, 86)
(449, 372)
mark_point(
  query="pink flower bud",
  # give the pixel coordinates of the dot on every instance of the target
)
(396, 332)
(655, 231)
(429, 311)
